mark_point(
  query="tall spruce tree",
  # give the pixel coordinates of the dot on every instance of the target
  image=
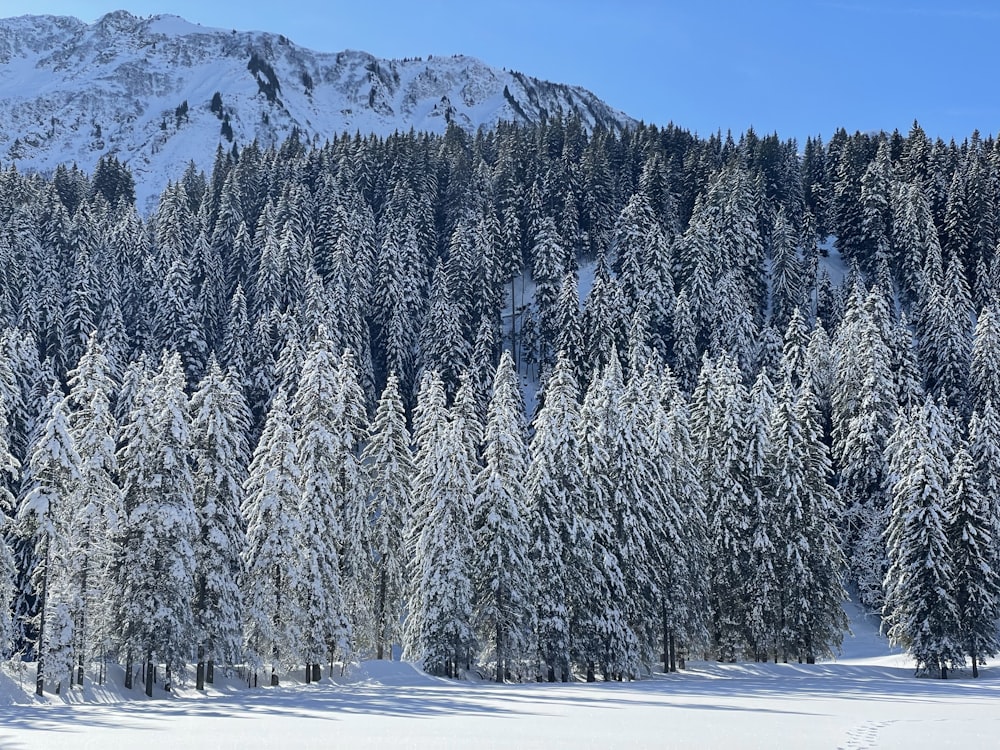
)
(389, 466)
(271, 557)
(98, 505)
(504, 579)
(921, 610)
(46, 518)
(155, 562)
(554, 481)
(220, 421)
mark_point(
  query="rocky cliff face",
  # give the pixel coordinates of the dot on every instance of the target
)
(160, 92)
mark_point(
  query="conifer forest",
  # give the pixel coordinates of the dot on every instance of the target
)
(542, 402)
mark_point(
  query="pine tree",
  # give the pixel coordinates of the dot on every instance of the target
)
(356, 557)
(274, 536)
(220, 421)
(764, 562)
(439, 629)
(921, 611)
(155, 562)
(719, 406)
(984, 373)
(504, 581)
(45, 517)
(319, 446)
(971, 527)
(98, 505)
(607, 532)
(809, 560)
(389, 467)
(787, 273)
(554, 481)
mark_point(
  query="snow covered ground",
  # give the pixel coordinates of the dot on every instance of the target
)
(867, 698)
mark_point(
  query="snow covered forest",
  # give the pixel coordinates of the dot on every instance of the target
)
(540, 402)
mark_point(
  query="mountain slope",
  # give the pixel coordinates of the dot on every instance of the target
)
(159, 92)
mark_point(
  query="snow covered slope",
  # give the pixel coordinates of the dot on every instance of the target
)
(143, 89)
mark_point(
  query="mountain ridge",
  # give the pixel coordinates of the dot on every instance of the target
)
(159, 91)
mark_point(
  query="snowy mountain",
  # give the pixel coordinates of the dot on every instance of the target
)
(158, 92)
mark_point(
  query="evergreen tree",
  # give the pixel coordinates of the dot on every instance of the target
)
(439, 629)
(318, 598)
(554, 481)
(274, 536)
(984, 373)
(220, 421)
(719, 413)
(603, 634)
(46, 517)
(155, 561)
(389, 466)
(921, 611)
(98, 504)
(504, 581)
(971, 527)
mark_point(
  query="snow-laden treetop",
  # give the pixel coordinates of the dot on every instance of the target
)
(159, 91)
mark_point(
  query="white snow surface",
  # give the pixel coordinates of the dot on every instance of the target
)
(867, 698)
(71, 92)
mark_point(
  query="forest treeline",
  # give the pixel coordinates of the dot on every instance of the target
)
(281, 420)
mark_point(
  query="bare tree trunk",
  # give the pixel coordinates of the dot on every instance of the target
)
(975, 658)
(380, 608)
(199, 679)
(666, 636)
(210, 672)
(40, 666)
(149, 674)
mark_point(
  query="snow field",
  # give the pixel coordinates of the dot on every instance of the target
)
(868, 698)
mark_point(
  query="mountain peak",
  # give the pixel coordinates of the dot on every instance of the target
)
(158, 92)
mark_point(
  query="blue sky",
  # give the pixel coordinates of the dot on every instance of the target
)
(798, 68)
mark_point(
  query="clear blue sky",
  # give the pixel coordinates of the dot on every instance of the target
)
(798, 68)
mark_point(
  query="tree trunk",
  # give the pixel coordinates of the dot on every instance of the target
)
(309, 672)
(513, 327)
(274, 677)
(975, 659)
(199, 679)
(81, 626)
(666, 637)
(672, 650)
(210, 672)
(128, 671)
(43, 591)
(380, 608)
(149, 675)
(317, 676)
(500, 654)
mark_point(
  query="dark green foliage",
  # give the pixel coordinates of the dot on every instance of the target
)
(267, 79)
(113, 181)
